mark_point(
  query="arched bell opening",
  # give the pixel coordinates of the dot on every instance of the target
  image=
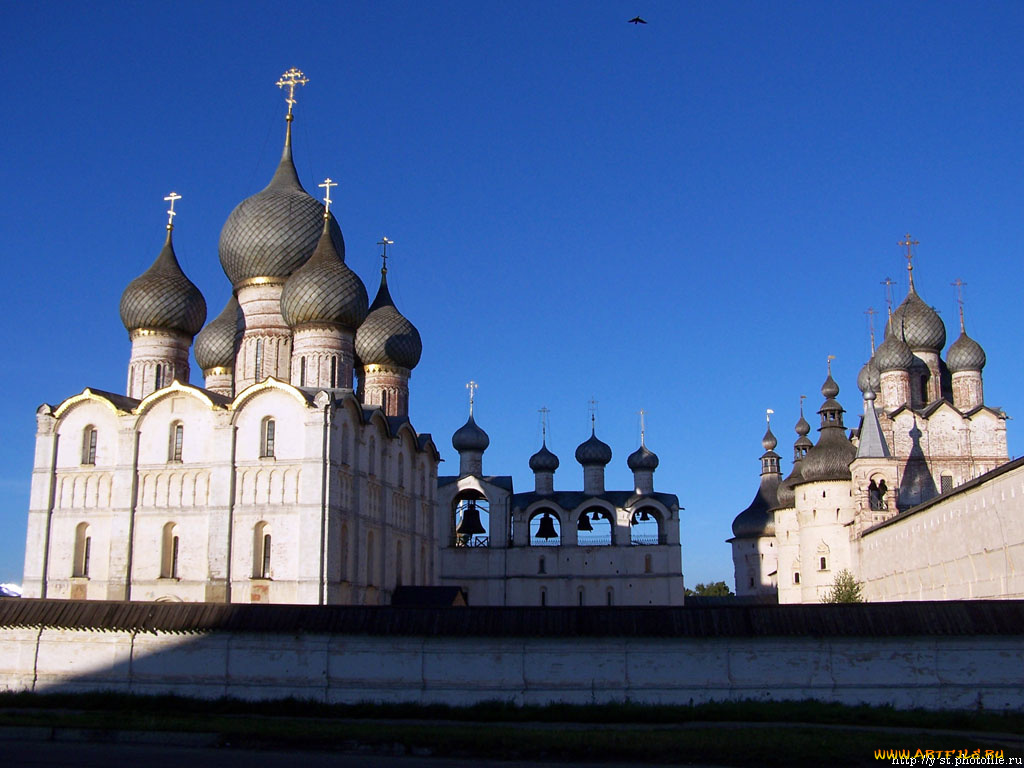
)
(594, 527)
(471, 520)
(646, 527)
(877, 490)
(545, 528)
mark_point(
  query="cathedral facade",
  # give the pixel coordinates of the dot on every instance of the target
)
(293, 476)
(925, 433)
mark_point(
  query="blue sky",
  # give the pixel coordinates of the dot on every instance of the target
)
(686, 216)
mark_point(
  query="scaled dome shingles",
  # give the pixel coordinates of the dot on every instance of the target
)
(470, 437)
(544, 460)
(918, 324)
(593, 451)
(643, 458)
(162, 298)
(965, 354)
(274, 232)
(215, 344)
(387, 337)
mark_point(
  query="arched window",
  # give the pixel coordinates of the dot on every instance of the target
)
(371, 456)
(267, 438)
(471, 520)
(89, 436)
(610, 596)
(541, 566)
(579, 596)
(158, 381)
(384, 400)
(258, 367)
(176, 440)
(83, 551)
(545, 528)
(401, 470)
(796, 577)
(945, 483)
(645, 527)
(594, 527)
(169, 552)
(261, 551)
(302, 371)
(822, 564)
(334, 372)
(543, 596)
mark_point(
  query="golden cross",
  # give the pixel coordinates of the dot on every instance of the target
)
(327, 195)
(870, 312)
(909, 244)
(543, 411)
(642, 429)
(170, 211)
(384, 242)
(959, 285)
(289, 80)
(472, 387)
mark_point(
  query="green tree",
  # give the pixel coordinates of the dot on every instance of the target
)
(715, 589)
(845, 589)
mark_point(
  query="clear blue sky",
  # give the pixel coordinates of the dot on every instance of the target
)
(685, 216)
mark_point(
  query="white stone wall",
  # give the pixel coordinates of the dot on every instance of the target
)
(905, 672)
(970, 545)
(825, 512)
(755, 566)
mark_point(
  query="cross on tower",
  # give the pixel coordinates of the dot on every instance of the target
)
(829, 360)
(802, 398)
(170, 211)
(472, 387)
(909, 245)
(642, 413)
(384, 242)
(959, 285)
(327, 195)
(289, 80)
(543, 411)
(870, 312)
(592, 407)
(888, 283)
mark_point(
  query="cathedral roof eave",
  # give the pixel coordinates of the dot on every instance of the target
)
(212, 400)
(119, 404)
(270, 383)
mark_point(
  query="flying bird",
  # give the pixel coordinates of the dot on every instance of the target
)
(637, 20)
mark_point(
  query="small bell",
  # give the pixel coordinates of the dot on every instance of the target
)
(644, 516)
(470, 524)
(584, 523)
(597, 515)
(546, 530)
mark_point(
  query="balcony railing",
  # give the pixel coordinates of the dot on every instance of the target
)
(477, 540)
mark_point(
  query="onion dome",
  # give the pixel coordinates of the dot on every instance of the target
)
(215, 344)
(274, 232)
(918, 324)
(965, 354)
(870, 378)
(543, 460)
(162, 298)
(324, 289)
(593, 452)
(469, 437)
(757, 519)
(642, 459)
(386, 337)
(830, 458)
(802, 428)
(768, 441)
(787, 488)
(893, 355)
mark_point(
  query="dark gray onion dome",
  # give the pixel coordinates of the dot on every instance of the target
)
(918, 324)
(965, 354)
(274, 232)
(802, 428)
(768, 441)
(893, 355)
(829, 389)
(830, 458)
(870, 378)
(544, 460)
(469, 437)
(642, 459)
(757, 520)
(786, 493)
(386, 337)
(162, 298)
(215, 345)
(593, 452)
(324, 289)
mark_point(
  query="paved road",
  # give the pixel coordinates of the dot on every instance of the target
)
(29, 754)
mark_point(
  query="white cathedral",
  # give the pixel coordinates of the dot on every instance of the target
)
(294, 475)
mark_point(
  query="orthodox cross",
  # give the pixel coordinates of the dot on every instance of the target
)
(909, 245)
(327, 195)
(870, 312)
(592, 407)
(289, 80)
(642, 425)
(888, 283)
(170, 211)
(384, 242)
(959, 285)
(472, 387)
(543, 411)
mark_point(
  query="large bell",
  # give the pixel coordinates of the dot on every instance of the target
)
(583, 524)
(546, 530)
(470, 524)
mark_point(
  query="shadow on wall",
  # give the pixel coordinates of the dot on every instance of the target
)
(949, 655)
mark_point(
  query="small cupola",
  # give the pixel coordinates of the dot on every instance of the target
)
(470, 441)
